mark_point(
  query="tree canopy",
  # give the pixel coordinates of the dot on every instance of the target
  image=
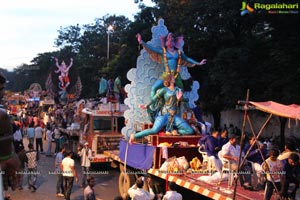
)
(257, 51)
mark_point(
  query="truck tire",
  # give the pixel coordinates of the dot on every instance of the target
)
(125, 182)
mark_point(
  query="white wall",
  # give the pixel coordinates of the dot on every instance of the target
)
(257, 119)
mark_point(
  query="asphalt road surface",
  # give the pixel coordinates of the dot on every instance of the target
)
(106, 187)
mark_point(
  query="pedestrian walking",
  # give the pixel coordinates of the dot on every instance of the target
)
(49, 140)
(69, 173)
(30, 133)
(38, 134)
(18, 138)
(22, 157)
(32, 157)
(56, 137)
(59, 184)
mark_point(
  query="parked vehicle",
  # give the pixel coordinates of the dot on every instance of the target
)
(101, 129)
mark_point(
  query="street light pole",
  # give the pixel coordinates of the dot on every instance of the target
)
(110, 29)
(107, 58)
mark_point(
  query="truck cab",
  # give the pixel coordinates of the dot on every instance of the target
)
(101, 129)
(44, 106)
(16, 102)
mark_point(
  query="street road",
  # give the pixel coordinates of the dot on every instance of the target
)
(106, 181)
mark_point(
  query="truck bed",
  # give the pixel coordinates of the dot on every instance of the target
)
(190, 181)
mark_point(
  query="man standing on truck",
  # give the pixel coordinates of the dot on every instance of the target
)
(102, 86)
(86, 155)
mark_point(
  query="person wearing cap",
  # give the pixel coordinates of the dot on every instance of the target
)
(231, 152)
(86, 155)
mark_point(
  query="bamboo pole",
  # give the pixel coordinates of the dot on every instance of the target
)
(242, 138)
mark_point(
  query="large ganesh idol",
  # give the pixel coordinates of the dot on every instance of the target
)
(160, 57)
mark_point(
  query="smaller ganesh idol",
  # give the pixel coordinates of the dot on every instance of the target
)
(63, 69)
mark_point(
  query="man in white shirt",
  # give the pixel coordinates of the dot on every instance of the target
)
(136, 192)
(231, 151)
(171, 194)
(67, 167)
(86, 155)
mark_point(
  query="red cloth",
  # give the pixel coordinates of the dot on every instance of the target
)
(288, 111)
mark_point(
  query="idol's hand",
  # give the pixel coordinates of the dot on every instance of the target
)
(179, 94)
(139, 38)
(203, 62)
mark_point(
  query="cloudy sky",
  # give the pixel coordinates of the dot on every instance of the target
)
(29, 27)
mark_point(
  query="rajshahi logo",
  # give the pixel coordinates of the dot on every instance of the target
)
(246, 8)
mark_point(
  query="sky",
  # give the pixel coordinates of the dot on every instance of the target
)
(30, 27)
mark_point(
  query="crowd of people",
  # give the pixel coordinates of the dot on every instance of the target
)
(17, 160)
(269, 169)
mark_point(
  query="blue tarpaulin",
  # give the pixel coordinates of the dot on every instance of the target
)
(139, 156)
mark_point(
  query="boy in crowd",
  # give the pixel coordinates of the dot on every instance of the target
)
(273, 169)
